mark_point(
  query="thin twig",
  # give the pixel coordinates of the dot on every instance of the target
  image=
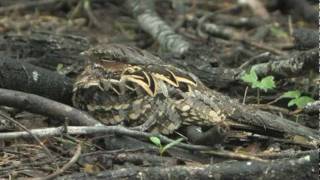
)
(259, 57)
(232, 155)
(271, 107)
(73, 160)
(88, 10)
(264, 47)
(245, 96)
(84, 130)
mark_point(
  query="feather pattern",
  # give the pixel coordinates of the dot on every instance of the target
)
(120, 88)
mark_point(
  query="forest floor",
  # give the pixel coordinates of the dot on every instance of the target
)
(262, 54)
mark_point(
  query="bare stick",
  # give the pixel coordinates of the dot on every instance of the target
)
(156, 27)
(84, 130)
(40, 105)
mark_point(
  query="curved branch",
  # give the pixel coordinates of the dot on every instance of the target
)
(40, 105)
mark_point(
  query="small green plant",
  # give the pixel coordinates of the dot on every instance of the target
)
(265, 83)
(297, 99)
(278, 32)
(59, 68)
(155, 140)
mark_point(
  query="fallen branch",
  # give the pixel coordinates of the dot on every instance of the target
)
(20, 76)
(302, 168)
(312, 108)
(271, 124)
(295, 66)
(40, 105)
(149, 21)
(84, 130)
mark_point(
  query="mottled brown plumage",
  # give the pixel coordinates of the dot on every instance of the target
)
(160, 97)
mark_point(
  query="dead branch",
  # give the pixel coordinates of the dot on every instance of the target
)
(272, 124)
(40, 105)
(312, 108)
(25, 77)
(301, 168)
(295, 66)
(149, 21)
(83, 130)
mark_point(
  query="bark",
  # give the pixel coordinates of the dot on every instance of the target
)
(305, 38)
(45, 49)
(150, 22)
(302, 168)
(312, 108)
(25, 77)
(300, 64)
(43, 106)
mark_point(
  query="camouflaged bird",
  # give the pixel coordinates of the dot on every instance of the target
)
(143, 93)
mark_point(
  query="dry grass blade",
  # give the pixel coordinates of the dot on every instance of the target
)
(73, 160)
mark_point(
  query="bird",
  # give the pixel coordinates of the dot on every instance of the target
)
(120, 85)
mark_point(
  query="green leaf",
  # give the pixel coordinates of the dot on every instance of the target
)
(303, 101)
(173, 143)
(255, 84)
(250, 78)
(155, 140)
(292, 102)
(291, 94)
(267, 83)
(59, 67)
(253, 74)
(278, 32)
